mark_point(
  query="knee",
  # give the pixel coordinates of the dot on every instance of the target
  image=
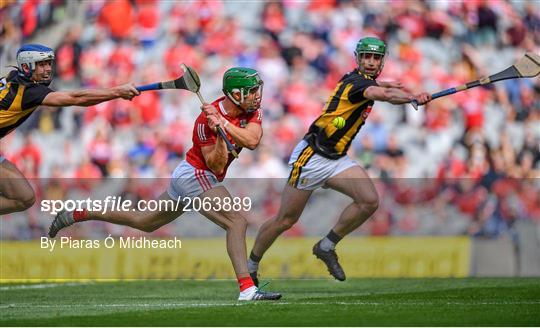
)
(26, 202)
(371, 207)
(369, 204)
(285, 222)
(29, 201)
(143, 224)
(148, 228)
(237, 222)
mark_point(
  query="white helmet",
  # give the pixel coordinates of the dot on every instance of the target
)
(30, 54)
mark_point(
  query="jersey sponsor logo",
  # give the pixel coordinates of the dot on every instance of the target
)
(243, 123)
(3, 83)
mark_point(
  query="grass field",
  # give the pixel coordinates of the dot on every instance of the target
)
(361, 302)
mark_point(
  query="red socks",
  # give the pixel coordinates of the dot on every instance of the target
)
(80, 215)
(245, 282)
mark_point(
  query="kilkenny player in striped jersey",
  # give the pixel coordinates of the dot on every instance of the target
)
(21, 93)
(320, 159)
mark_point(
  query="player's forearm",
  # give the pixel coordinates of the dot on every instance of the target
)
(219, 157)
(384, 84)
(397, 96)
(90, 97)
(243, 137)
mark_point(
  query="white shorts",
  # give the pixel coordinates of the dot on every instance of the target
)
(188, 181)
(309, 170)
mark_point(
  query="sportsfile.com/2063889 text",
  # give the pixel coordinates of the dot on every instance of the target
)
(114, 203)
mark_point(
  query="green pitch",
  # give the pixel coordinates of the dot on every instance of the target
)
(361, 302)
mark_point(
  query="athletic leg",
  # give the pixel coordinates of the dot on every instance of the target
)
(235, 226)
(293, 202)
(355, 183)
(147, 221)
(183, 182)
(16, 194)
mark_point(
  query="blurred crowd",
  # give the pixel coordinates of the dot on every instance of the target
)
(476, 153)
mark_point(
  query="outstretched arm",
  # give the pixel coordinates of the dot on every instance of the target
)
(89, 97)
(395, 96)
(391, 84)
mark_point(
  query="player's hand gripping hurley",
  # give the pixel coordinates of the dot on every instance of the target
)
(188, 81)
(527, 66)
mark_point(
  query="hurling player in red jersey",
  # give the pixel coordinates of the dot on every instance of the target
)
(200, 175)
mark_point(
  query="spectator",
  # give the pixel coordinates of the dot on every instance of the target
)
(273, 19)
(100, 152)
(147, 19)
(28, 158)
(68, 55)
(119, 29)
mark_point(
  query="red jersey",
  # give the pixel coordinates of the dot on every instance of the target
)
(204, 136)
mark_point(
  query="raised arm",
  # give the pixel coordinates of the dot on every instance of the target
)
(89, 97)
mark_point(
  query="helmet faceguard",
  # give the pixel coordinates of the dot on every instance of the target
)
(248, 83)
(370, 45)
(30, 54)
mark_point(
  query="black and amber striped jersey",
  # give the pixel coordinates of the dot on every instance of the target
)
(347, 101)
(19, 98)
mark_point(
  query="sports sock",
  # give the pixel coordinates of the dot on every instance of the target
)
(329, 242)
(253, 262)
(80, 215)
(252, 266)
(245, 283)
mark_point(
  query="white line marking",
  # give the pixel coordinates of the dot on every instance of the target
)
(40, 286)
(142, 305)
(277, 303)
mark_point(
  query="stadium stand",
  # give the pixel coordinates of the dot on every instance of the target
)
(468, 164)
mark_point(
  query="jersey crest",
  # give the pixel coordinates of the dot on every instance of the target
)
(366, 112)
